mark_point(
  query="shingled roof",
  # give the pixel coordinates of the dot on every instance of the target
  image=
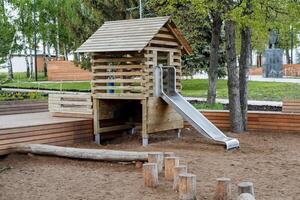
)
(128, 35)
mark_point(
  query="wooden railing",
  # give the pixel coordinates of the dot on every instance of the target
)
(71, 105)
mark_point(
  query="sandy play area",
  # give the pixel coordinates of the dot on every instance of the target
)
(270, 160)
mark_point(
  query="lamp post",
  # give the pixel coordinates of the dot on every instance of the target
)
(35, 42)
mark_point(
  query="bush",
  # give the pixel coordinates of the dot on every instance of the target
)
(11, 96)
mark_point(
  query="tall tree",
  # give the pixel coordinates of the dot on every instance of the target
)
(244, 62)
(214, 56)
(233, 78)
(7, 39)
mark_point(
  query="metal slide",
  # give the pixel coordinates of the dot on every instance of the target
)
(166, 88)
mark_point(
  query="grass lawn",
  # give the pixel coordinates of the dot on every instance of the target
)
(271, 91)
(21, 76)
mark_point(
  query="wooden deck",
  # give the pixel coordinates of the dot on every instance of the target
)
(42, 128)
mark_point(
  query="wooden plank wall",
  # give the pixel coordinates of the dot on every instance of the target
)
(126, 70)
(161, 116)
(258, 121)
(291, 106)
(72, 105)
(56, 134)
(67, 71)
(20, 107)
(163, 49)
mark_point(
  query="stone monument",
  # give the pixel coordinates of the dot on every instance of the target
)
(272, 61)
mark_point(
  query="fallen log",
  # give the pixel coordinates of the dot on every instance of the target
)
(77, 153)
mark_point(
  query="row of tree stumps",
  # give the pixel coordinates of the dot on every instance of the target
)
(185, 183)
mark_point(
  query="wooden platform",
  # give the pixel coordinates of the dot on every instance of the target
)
(23, 106)
(42, 128)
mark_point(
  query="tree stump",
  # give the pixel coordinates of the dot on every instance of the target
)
(169, 154)
(187, 186)
(246, 187)
(150, 175)
(223, 189)
(138, 164)
(180, 169)
(170, 163)
(157, 158)
(245, 196)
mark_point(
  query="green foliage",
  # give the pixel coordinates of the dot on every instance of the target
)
(206, 106)
(11, 96)
(7, 33)
(195, 23)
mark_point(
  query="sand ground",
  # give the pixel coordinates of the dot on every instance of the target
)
(270, 160)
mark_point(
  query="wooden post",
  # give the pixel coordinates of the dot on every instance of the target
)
(157, 158)
(223, 190)
(145, 136)
(245, 196)
(150, 174)
(180, 169)
(187, 186)
(246, 187)
(96, 113)
(170, 163)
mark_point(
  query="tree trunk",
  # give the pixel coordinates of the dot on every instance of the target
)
(45, 60)
(214, 57)
(10, 74)
(245, 59)
(244, 72)
(31, 60)
(233, 79)
(287, 56)
(57, 41)
(26, 59)
(66, 52)
(89, 154)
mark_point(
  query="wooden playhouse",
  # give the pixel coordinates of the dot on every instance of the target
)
(124, 54)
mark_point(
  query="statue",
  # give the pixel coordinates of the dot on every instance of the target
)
(272, 61)
(273, 39)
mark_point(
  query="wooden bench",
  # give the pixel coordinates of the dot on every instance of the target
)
(71, 105)
(291, 106)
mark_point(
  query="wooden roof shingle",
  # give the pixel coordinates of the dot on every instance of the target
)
(125, 35)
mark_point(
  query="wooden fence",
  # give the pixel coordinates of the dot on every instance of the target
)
(67, 71)
(259, 121)
(71, 105)
(20, 107)
(291, 106)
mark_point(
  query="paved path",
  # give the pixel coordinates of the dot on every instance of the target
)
(250, 102)
(279, 80)
(256, 78)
